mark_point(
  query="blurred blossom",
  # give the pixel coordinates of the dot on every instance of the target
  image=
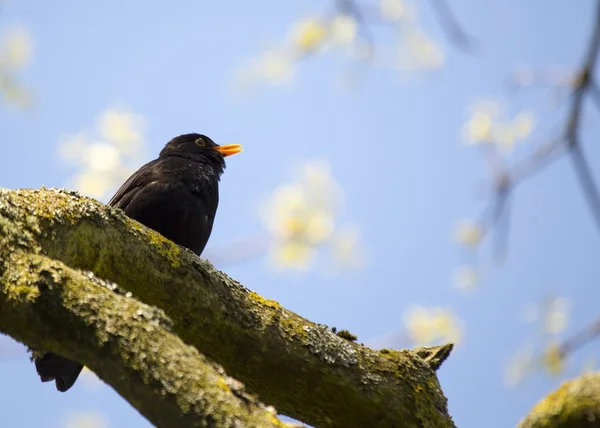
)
(552, 314)
(86, 420)
(345, 247)
(553, 359)
(479, 127)
(301, 217)
(521, 365)
(122, 128)
(429, 326)
(527, 76)
(392, 10)
(90, 380)
(16, 48)
(107, 157)
(468, 233)
(275, 66)
(417, 51)
(292, 254)
(308, 34)
(102, 156)
(466, 278)
(556, 315)
(344, 30)
(488, 125)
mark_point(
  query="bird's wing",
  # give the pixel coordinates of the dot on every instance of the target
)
(141, 178)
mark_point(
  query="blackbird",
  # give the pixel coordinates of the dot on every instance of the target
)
(176, 195)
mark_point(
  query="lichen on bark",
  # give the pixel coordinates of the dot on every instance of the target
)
(302, 368)
(575, 404)
(128, 344)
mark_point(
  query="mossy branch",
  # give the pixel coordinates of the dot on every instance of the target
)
(302, 368)
(47, 305)
(576, 404)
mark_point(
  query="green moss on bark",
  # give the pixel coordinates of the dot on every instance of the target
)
(304, 369)
(128, 344)
(575, 404)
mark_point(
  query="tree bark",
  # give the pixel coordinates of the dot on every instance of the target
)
(128, 344)
(576, 404)
(304, 369)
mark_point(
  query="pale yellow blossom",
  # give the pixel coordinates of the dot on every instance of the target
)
(346, 248)
(488, 125)
(417, 51)
(466, 278)
(107, 159)
(17, 48)
(468, 233)
(293, 255)
(123, 128)
(434, 325)
(86, 420)
(478, 128)
(392, 10)
(308, 34)
(93, 183)
(102, 157)
(556, 316)
(343, 30)
(524, 122)
(277, 66)
(301, 217)
(520, 366)
(554, 359)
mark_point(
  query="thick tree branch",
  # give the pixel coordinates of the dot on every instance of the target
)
(575, 404)
(302, 368)
(47, 305)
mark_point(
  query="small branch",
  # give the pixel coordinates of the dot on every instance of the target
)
(594, 92)
(568, 143)
(586, 181)
(580, 339)
(451, 26)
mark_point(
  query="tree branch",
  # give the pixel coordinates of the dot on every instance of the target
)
(49, 306)
(575, 404)
(302, 368)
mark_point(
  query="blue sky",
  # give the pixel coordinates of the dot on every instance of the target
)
(395, 147)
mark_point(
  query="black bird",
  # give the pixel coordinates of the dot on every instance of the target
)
(176, 195)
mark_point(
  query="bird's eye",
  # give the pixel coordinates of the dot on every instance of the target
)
(200, 142)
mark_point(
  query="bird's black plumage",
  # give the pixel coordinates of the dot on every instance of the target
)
(177, 195)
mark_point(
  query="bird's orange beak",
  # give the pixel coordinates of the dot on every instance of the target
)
(229, 150)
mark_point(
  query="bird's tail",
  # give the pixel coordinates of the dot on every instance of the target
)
(57, 368)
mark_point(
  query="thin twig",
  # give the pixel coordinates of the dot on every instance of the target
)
(451, 26)
(579, 339)
(568, 143)
(586, 181)
(595, 94)
(585, 84)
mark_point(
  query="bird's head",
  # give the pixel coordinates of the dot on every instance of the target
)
(200, 147)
